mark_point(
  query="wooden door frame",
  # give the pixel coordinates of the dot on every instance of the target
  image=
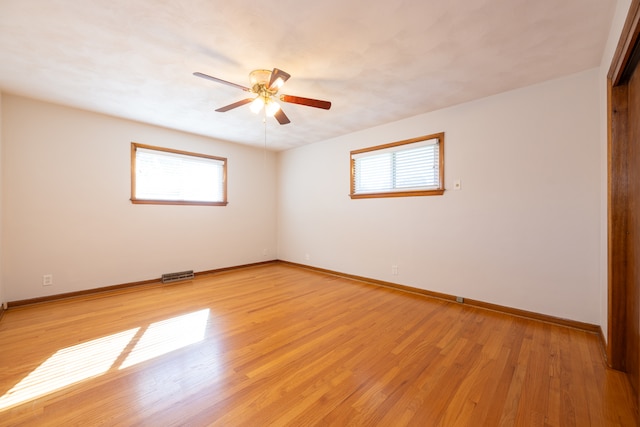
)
(623, 60)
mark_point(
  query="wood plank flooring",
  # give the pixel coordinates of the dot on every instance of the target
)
(278, 345)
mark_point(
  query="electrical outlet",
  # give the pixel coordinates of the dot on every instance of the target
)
(307, 257)
(47, 280)
(460, 300)
(394, 270)
(265, 251)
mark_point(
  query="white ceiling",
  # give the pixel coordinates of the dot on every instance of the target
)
(377, 61)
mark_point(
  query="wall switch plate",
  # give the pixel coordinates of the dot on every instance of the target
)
(457, 184)
(47, 280)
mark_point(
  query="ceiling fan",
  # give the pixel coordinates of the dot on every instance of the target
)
(265, 85)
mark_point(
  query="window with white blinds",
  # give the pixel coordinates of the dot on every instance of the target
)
(166, 176)
(406, 168)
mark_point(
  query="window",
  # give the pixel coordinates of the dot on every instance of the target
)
(172, 177)
(414, 167)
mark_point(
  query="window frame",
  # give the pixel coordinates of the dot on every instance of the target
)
(400, 193)
(135, 200)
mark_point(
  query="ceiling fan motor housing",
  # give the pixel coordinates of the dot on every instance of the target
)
(260, 83)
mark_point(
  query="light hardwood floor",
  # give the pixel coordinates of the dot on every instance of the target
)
(280, 345)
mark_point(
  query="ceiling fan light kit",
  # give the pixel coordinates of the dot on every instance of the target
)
(257, 104)
(271, 107)
(265, 85)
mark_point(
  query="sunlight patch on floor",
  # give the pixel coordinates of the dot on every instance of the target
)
(69, 366)
(80, 362)
(168, 335)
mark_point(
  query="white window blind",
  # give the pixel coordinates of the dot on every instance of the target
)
(169, 176)
(400, 168)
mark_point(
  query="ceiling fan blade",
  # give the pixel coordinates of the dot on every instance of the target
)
(234, 105)
(325, 105)
(224, 82)
(276, 75)
(281, 117)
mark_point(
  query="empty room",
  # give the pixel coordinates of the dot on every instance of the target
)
(409, 213)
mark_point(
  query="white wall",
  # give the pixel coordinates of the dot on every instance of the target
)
(622, 8)
(66, 209)
(524, 230)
